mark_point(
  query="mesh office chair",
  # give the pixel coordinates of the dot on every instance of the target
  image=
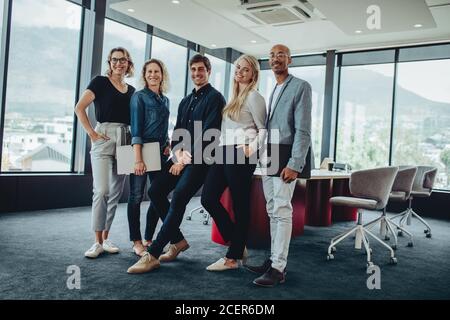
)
(422, 187)
(401, 190)
(370, 190)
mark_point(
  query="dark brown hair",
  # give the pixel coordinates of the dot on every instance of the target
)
(200, 58)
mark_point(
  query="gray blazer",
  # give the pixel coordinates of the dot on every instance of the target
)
(291, 116)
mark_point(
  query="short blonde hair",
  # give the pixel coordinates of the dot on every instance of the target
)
(164, 85)
(130, 70)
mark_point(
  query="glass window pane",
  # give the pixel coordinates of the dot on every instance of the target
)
(315, 75)
(231, 80)
(42, 75)
(174, 57)
(364, 118)
(422, 117)
(217, 78)
(119, 35)
(1, 18)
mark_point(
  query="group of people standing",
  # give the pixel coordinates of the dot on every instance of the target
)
(245, 126)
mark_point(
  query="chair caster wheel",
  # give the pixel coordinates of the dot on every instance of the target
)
(202, 211)
(410, 244)
(369, 264)
(428, 235)
(393, 261)
(333, 249)
(426, 231)
(394, 247)
(386, 238)
(330, 257)
(400, 233)
(205, 223)
(188, 218)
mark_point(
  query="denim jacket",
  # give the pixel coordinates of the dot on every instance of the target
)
(149, 118)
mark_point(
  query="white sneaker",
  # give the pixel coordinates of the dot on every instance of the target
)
(110, 247)
(94, 251)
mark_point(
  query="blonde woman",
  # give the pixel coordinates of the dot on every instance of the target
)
(242, 134)
(149, 123)
(111, 96)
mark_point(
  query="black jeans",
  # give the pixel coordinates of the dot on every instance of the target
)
(184, 187)
(238, 177)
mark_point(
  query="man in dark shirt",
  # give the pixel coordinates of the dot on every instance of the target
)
(181, 174)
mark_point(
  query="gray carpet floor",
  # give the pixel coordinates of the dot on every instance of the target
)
(37, 247)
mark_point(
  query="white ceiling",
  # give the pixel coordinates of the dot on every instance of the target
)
(332, 23)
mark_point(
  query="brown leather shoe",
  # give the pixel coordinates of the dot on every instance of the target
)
(174, 251)
(271, 278)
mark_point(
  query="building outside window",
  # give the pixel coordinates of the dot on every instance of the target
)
(41, 86)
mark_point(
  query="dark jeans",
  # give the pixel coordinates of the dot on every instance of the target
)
(137, 188)
(184, 188)
(238, 177)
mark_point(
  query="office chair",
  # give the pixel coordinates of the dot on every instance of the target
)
(202, 210)
(422, 188)
(369, 190)
(401, 190)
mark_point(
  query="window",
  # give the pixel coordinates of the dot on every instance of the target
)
(174, 57)
(422, 117)
(1, 19)
(119, 35)
(231, 81)
(364, 115)
(315, 75)
(217, 78)
(40, 94)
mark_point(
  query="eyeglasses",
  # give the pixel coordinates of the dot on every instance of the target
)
(121, 60)
(278, 55)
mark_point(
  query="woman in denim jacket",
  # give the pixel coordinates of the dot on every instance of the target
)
(149, 123)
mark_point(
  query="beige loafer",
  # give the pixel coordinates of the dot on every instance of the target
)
(220, 265)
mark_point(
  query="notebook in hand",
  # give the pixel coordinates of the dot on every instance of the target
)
(150, 155)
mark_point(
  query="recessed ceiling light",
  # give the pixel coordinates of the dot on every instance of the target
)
(358, 31)
(253, 41)
(418, 25)
(175, 1)
(130, 10)
(213, 45)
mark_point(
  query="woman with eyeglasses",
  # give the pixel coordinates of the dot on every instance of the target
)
(111, 96)
(242, 135)
(149, 123)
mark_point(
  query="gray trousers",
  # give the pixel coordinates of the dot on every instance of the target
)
(278, 196)
(107, 184)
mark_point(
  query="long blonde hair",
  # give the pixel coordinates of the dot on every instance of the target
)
(233, 108)
(164, 85)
